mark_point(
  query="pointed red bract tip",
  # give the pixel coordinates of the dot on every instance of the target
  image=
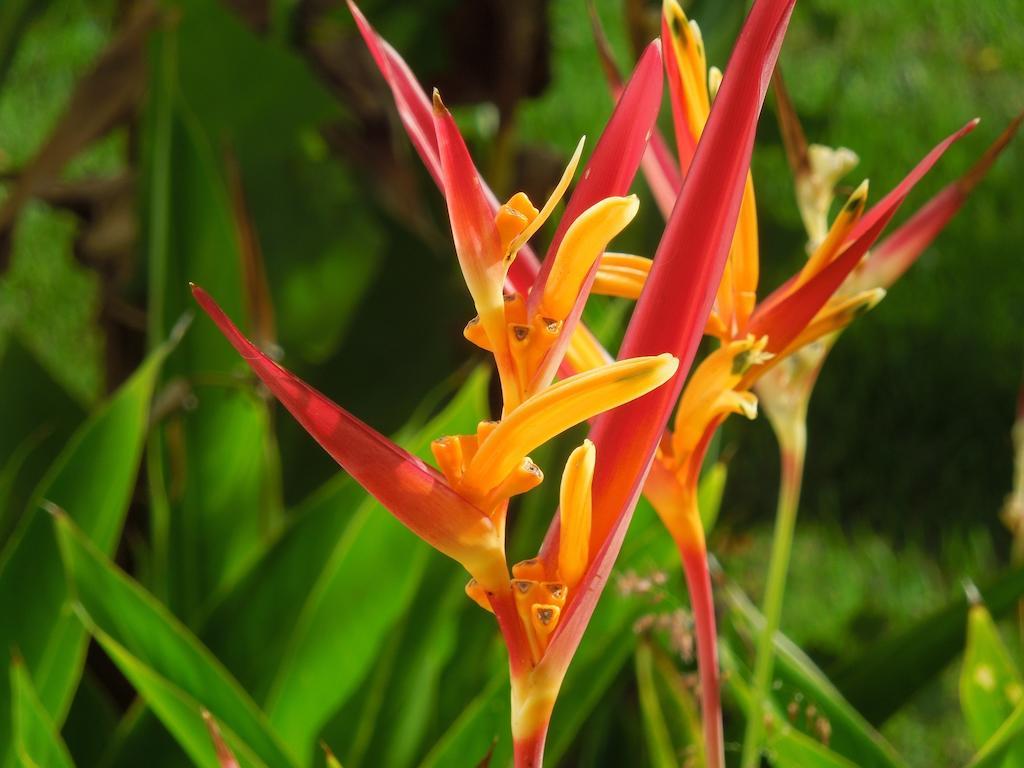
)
(412, 491)
(417, 116)
(609, 173)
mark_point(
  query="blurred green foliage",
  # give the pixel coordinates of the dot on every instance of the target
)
(240, 537)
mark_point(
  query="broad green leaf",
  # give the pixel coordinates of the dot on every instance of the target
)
(990, 682)
(917, 655)
(174, 673)
(37, 741)
(851, 735)
(483, 726)
(92, 479)
(219, 463)
(659, 742)
(384, 725)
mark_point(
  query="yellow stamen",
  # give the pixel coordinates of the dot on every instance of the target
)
(544, 619)
(710, 392)
(834, 316)
(526, 593)
(555, 409)
(525, 477)
(575, 504)
(475, 333)
(832, 245)
(478, 595)
(582, 245)
(556, 195)
(530, 570)
(448, 455)
(512, 218)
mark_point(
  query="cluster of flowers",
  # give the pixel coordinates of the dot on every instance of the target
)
(702, 280)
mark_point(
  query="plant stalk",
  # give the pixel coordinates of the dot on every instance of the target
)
(698, 582)
(791, 431)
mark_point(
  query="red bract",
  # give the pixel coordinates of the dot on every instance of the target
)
(676, 301)
(412, 491)
(899, 250)
(787, 311)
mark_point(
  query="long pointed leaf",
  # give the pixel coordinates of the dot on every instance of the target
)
(93, 479)
(172, 670)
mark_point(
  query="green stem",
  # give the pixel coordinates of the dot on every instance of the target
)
(792, 437)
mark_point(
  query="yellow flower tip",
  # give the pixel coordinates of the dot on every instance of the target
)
(749, 352)
(575, 509)
(676, 17)
(475, 334)
(549, 206)
(439, 106)
(556, 409)
(582, 245)
(484, 430)
(525, 477)
(857, 201)
(714, 81)
(530, 570)
(478, 595)
(448, 455)
(744, 403)
(512, 218)
(873, 297)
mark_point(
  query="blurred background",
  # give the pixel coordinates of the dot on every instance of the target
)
(251, 146)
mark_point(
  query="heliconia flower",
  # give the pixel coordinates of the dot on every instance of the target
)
(816, 303)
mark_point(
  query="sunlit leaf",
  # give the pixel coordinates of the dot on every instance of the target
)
(990, 682)
(177, 676)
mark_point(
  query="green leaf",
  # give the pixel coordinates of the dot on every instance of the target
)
(851, 735)
(172, 671)
(37, 742)
(710, 492)
(33, 432)
(785, 746)
(93, 480)
(993, 752)
(915, 656)
(990, 682)
(219, 501)
(659, 742)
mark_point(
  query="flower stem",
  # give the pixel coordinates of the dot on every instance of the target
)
(792, 437)
(698, 582)
(528, 752)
